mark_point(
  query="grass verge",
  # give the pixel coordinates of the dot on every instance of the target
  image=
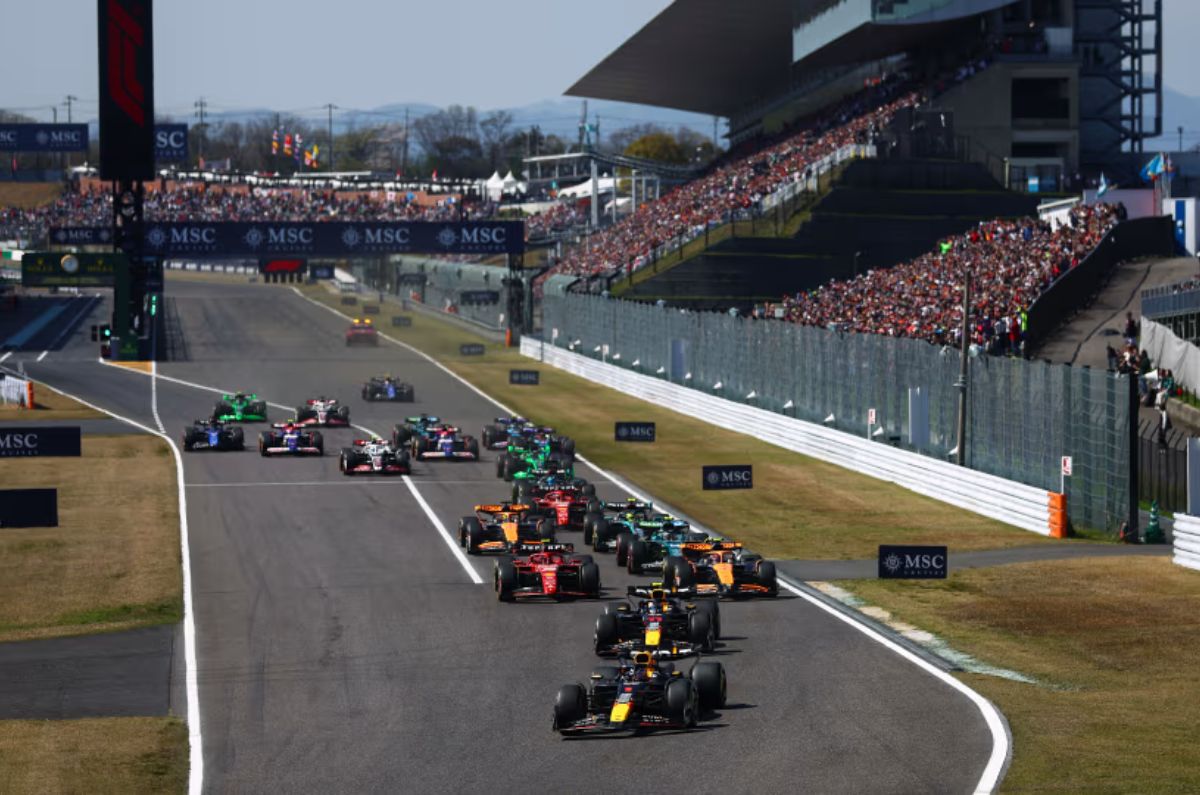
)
(94, 755)
(49, 405)
(113, 562)
(799, 508)
(1113, 644)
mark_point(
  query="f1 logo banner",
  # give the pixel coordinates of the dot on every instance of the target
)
(634, 432)
(126, 39)
(728, 476)
(524, 377)
(30, 441)
(28, 508)
(170, 142)
(898, 562)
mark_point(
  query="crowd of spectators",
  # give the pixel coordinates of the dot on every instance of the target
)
(737, 183)
(206, 203)
(1010, 263)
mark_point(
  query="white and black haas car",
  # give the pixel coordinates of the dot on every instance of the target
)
(327, 412)
(374, 457)
(288, 438)
(213, 435)
(388, 387)
(446, 442)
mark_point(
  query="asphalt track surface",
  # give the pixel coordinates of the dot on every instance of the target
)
(342, 646)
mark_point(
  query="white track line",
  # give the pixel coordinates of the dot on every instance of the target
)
(459, 556)
(993, 772)
(5, 356)
(195, 738)
(42, 355)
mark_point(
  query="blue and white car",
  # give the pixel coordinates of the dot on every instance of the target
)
(389, 388)
(287, 438)
(213, 435)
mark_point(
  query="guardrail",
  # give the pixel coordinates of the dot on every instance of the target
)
(1013, 503)
(1187, 541)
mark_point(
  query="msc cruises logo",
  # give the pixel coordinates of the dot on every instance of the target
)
(447, 237)
(907, 562)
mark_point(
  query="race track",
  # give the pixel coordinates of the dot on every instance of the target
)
(342, 646)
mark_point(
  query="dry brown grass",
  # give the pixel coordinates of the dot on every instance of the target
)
(799, 507)
(1114, 644)
(28, 194)
(95, 755)
(113, 562)
(49, 405)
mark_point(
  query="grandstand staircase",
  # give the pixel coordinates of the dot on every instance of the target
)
(878, 213)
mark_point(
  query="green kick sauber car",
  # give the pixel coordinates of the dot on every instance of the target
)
(241, 407)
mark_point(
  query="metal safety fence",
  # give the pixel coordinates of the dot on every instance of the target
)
(1023, 416)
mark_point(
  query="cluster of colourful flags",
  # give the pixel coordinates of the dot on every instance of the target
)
(293, 146)
(1160, 166)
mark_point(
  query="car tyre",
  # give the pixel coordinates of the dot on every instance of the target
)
(569, 706)
(764, 574)
(709, 677)
(589, 578)
(506, 580)
(680, 702)
(624, 540)
(607, 633)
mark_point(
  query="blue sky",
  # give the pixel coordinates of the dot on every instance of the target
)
(296, 55)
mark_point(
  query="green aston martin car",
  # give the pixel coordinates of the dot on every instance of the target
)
(241, 407)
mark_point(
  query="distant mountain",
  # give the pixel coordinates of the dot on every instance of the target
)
(1179, 110)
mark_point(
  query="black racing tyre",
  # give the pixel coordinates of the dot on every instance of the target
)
(545, 530)
(473, 447)
(366, 395)
(582, 559)
(510, 468)
(471, 534)
(589, 578)
(522, 492)
(487, 435)
(318, 442)
(589, 526)
(400, 435)
(678, 573)
(569, 706)
(764, 574)
(506, 580)
(602, 535)
(588, 489)
(709, 677)
(614, 608)
(594, 506)
(238, 439)
(222, 409)
(607, 633)
(264, 441)
(636, 556)
(500, 464)
(680, 702)
(567, 445)
(713, 608)
(186, 444)
(624, 539)
(344, 413)
(700, 631)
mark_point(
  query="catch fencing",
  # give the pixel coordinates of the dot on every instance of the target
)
(1023, 416)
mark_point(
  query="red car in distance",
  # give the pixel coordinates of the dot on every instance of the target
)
(362, 332)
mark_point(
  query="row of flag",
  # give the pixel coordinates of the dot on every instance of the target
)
(293, 146)
(1160, 166)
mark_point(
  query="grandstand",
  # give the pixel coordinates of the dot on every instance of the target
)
(964, 112)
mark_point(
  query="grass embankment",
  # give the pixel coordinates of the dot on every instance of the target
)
(799, 507)
(28, 194)
(93, 755)
(1113, 645)
(113, 561)
(48, 406)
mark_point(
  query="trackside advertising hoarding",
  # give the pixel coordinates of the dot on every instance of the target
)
(326, 239)
(907, 562)
(43, 138)
(30, 441)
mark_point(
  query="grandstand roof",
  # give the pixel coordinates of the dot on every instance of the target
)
(718, 57)
(699, 55)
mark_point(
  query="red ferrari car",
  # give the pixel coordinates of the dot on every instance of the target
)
(569, 506)
(553, 572)
(361, 332)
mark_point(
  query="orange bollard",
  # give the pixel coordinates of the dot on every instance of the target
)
(507, 338)
(1058, 515)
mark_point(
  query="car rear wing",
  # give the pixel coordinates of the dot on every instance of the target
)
(711, 546)
(539, 546)
(622, 507)
(647, 591)
(503, 507)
